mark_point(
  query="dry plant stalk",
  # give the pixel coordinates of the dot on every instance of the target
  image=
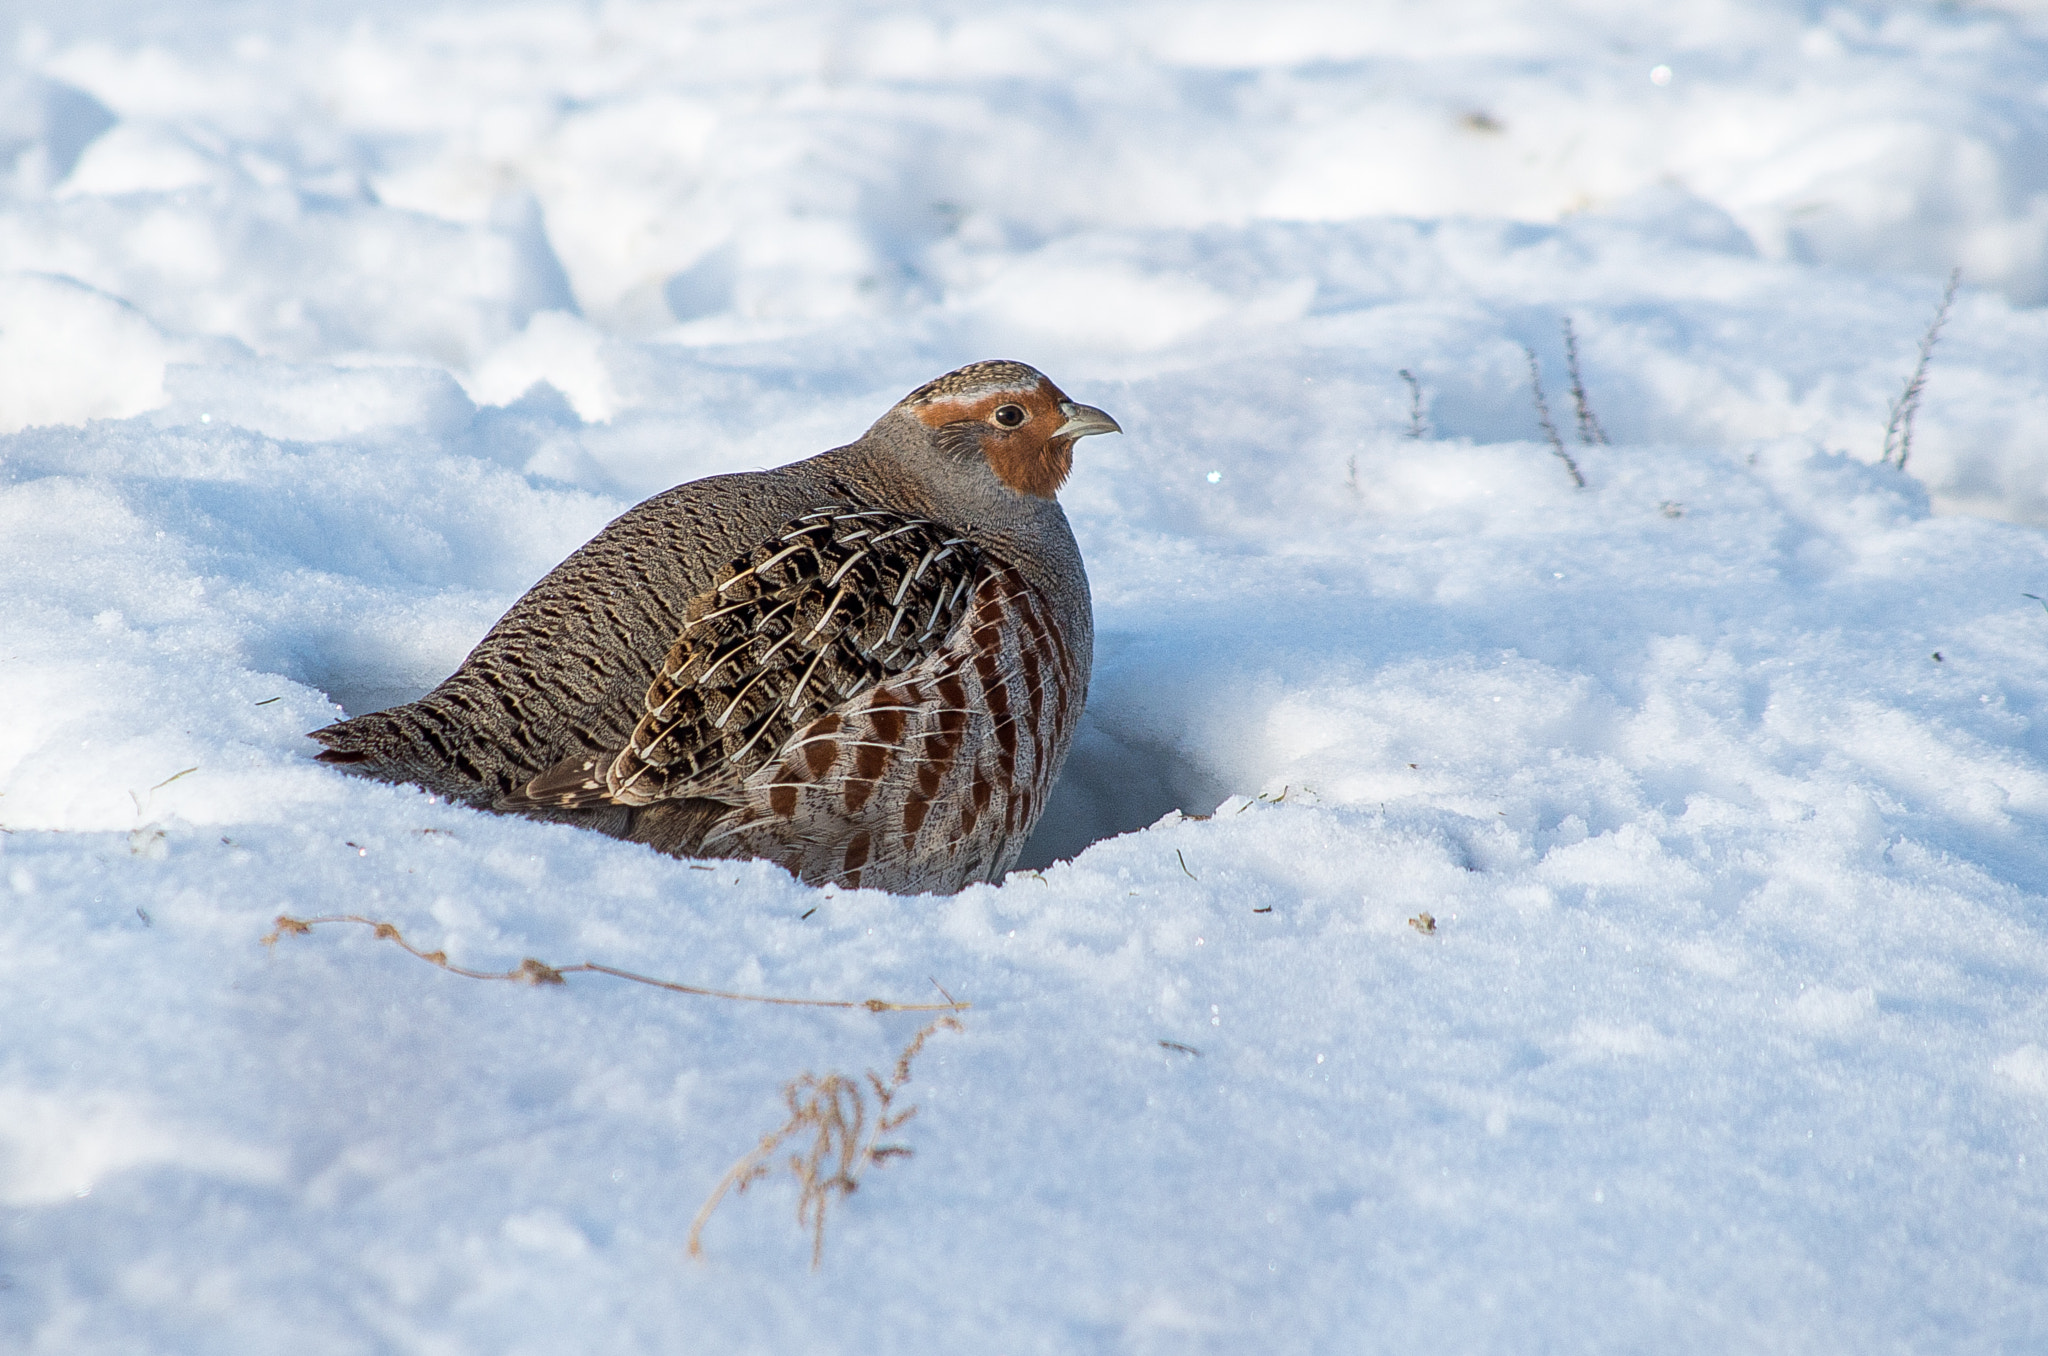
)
(1590, 431)
(833, 1112)
(1898, 433)
(1550, 425)
(531, 971)
(1416, 427)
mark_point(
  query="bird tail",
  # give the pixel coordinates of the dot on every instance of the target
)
(398, 745)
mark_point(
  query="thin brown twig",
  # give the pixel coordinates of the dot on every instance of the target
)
(532, 971)
(844, 1137)
(173, 777)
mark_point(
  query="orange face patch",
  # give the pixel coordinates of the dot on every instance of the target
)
(1026, 458)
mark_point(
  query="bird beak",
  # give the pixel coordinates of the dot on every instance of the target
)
(1083, 420)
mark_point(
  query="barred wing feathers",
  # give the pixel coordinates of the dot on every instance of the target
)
(838, 602)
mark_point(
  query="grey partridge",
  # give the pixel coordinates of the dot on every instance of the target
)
(866, 666)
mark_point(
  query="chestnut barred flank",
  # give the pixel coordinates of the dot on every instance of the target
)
(936, 774)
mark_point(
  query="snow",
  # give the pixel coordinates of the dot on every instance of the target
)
(1724, 780)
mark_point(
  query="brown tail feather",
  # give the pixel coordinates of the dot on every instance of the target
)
(393, 746)
(572, 784)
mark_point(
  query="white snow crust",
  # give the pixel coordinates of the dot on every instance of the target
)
(326, 330)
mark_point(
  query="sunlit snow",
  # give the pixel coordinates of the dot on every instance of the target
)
(326, 330)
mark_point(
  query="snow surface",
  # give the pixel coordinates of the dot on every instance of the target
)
(1725, 780)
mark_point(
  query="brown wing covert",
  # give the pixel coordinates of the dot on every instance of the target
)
(840, 601)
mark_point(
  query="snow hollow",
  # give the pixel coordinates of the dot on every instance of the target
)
(1481, 914)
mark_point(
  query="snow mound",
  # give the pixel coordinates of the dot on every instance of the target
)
(1480, 913)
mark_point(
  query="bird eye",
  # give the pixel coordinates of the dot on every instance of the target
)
(1009, 416)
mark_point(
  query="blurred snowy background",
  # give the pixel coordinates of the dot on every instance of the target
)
(326, 329)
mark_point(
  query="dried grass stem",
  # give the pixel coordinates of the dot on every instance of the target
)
(532, 971)
(832, 1112)
(1898, 431)
(1549, 425)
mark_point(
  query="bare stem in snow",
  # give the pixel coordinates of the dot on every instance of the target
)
(1416, 428)
(531, 971)
(832, 1112)
(833, 1109)
(1590, 431)
(1898, 432)
(1543, 418)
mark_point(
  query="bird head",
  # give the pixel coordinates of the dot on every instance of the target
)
(1009, 415)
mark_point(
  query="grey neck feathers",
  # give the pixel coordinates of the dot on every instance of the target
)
(957, 487)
